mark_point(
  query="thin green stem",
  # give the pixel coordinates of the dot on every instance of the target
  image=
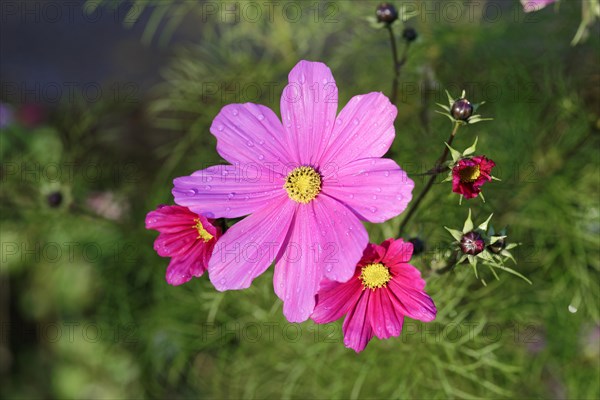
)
(398, 63)
(415, 205)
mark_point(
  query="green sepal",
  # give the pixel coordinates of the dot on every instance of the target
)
(468, 226)
(494, 239)
(455, 234)
(470, 150)
(484, 225)
(454, 153)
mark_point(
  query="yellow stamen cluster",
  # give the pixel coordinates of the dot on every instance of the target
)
(202, 233)
(374, 276)
(303, 184)
(469, 174)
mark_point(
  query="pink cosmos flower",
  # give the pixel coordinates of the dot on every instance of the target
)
(535, 5)
(186, 237)
(383, 290)
(469, 174)
(307, 183)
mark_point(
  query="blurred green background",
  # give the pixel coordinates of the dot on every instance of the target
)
(85, 310)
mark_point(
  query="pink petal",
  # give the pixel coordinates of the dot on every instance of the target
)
(169, 218)
(357, 328)
(410, 301)
(384, 320)
(251, 135)
(247, 249)
(228, 191)
(340, 235)
(298, 270)
(376, 189)
(182, 269)
(397, 251)
(334, 299)
(364, 128)
(308, 108)
(176, 244)
(326, 240)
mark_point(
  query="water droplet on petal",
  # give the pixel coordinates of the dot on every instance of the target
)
(260, 117)
(207, 187)
(373, 209)
(355, 121)
(378, 190)
(220, 128)
(228, 209)
(351, 195)
(387, 173)
(235, 111)
(261, 157)
(250, 143)
(230, 196)
(399, 197)
(208, 178)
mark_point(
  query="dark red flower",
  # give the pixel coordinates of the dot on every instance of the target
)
(469, 174)
(472, 243)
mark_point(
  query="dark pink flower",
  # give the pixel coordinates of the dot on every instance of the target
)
(306, 182)
(383, 290)
(186, 237)
(469, 174)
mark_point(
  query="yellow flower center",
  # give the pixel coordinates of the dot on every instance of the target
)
(202, 233)
(374, 276)
(469, 174)
(303, 184)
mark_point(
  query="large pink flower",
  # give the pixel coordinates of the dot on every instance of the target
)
(186, 237)
(306, 183)
(383, 290)
(535, 5)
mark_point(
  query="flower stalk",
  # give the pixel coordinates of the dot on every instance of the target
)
(438, 167)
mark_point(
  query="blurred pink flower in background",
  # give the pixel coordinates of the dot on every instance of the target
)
(186, 237)
(535, 5)
(306, 183)
(6, 115)
(107, 205)
(383, 290)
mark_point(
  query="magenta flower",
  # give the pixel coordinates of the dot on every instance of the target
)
(306, 183)
(469, 174)
(535, 5)
(186, 237)
(383, 290)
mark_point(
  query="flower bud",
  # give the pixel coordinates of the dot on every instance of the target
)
(472, 243)
(462, 110)
(497, 246)
(54, 199)
(409, 34)
(386, 13)
(418, 245)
